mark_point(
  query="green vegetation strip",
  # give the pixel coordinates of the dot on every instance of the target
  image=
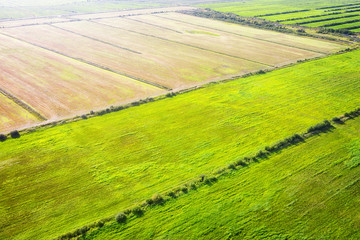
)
(307, 192)
(56, 180)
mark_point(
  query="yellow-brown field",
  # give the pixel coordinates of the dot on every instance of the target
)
(63, 67)
(12, 115)
(56, 86)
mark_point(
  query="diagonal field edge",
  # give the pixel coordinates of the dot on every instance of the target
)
(23, 105)
(184, 44)
(91, 63)
(282, 44)
(95, 39)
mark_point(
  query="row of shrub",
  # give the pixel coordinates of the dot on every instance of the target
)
(344, 5)
(326, 19)
(13, 134)
(340, 31)
(340, 23)
(280, 13)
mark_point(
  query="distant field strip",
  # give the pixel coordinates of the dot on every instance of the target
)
(261, 35)
(56, 180)
(305, 13)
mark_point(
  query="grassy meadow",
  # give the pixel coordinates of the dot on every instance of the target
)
(307, 192)
(55, 180)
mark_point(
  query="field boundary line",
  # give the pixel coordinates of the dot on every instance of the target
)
(152, 24)
(91, 63)
(282, 44)
(22, 105)
(185, 44)
(95, 39)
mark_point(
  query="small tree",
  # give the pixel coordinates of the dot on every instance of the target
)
(15, 134)
(120, 217)
(3, 137)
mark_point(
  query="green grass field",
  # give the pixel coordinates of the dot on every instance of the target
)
(285, 11)
(307, 192)
(56, 180)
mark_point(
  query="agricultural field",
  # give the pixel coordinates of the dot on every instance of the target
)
(302, 13)
(307, 192)
(99, 60)
(308, 183)
(56, 86)
(57, 180)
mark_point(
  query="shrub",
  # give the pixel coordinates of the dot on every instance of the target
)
(231, 166)
(83, 230)
(3, 137)
(127, 211)
(149, 201)
(336, 120)
(120, 217)
(184, 189)
(15, 134)
(157, 199)
(171, 194)
(83, 116)
(100, 224)
(193, 186)
(138, 211)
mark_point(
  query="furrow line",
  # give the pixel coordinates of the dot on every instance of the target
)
(92, 64)
(95, 39)
(22, 105)
(238, 34)
(184, 44)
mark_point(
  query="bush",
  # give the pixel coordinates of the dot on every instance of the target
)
(138, 211)
(15, 134)
(120, 217)
(184, 189)
(83, 116)
(171, 194)
(100, 224)
(3, 137)
(231, 166)
(157, 199)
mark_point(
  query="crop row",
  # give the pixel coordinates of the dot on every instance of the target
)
(312, 16)
(209, 179)
(340, 23)
(326, 19)
(345, 5)
(280, 13)
(340, 9)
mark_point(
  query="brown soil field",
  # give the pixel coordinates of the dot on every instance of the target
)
(13, 116)
(170, 64)
(57, 86)
(218, 41)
